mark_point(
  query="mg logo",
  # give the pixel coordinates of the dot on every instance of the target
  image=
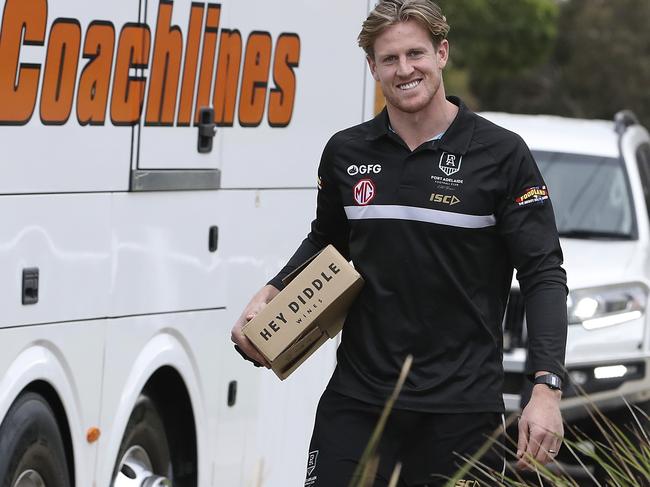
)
(450, 163)
(364, 191)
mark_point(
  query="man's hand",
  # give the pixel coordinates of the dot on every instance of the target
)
(261, 298)
(540, 428)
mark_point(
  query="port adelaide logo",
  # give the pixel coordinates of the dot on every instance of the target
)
(450, 163)
(364, 191)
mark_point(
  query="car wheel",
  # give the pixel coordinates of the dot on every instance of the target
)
(144, 458)
(31, 446)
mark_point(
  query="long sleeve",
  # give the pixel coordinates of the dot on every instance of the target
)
(526, 222)
(330, 225)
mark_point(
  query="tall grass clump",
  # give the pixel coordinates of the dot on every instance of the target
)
(613, 454)
(364, 475)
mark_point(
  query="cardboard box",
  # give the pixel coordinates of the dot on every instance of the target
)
(309, 310)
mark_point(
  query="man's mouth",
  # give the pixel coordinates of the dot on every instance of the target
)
(410, 85)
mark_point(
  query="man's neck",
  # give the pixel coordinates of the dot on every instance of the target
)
(417, 128)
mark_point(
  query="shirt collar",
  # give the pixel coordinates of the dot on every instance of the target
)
(456, 138)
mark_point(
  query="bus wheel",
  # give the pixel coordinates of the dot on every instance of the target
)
(31, 446)
(144, 457)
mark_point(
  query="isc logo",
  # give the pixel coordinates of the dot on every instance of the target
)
(364, 191)
(444, 198)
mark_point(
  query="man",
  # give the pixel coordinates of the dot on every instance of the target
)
(435, 233)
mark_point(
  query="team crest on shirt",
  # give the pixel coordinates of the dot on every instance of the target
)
(450, 163)
(364, 191)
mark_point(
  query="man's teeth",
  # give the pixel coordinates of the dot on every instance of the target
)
(408, 86)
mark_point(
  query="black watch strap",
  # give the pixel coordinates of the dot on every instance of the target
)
(551, 380)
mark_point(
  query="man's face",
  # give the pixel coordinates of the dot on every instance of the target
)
(408, 66)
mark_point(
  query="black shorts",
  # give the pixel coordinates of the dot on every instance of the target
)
(430, 446)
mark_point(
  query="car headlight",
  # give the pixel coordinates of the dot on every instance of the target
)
(599, 307)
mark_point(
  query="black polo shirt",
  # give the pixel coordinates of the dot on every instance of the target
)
(436, 232)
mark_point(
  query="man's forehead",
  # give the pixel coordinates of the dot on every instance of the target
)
(403, 35)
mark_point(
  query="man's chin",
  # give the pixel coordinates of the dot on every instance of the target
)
(409, 106)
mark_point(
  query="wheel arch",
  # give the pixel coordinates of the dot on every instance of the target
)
(43, 370)
(165, 371)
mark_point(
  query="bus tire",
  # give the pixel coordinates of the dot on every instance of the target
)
(31, 445)
(144, 453)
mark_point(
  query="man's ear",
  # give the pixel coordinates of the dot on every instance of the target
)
(373, 67)
(442, 53)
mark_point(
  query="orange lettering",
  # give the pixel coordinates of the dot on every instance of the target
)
(207, 59)
(24, 19)
(60, 75)
(128, 91)
(165, 69)
(191, 62)
(282, 97)
(225, 86)
(255, 79)
(95, 79)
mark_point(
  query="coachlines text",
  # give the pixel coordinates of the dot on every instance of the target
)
(179, 76)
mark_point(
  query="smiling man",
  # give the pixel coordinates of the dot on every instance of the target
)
(451, 205)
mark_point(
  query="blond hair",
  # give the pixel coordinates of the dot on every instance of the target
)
(390, 12)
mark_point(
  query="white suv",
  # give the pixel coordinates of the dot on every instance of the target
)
(598, 175)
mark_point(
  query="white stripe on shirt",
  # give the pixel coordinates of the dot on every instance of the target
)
(425, 215)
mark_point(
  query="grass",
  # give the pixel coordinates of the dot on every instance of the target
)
(615, 455)
(364, 475)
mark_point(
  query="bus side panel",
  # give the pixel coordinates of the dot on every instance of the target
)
(162, 260)
(65, 237)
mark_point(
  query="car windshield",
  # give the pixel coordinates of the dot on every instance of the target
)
(591, 195)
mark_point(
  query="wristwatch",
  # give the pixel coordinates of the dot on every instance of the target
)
(551, 380)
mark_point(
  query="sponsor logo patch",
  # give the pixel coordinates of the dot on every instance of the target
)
(446, 199)
(532, 196)
(450, 163)
(364, 191)
(362, 169)
(311, 462)
(311, 466)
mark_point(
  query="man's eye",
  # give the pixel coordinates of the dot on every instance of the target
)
(389, 59)
(415, 53)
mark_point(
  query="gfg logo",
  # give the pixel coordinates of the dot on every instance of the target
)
(353, 170)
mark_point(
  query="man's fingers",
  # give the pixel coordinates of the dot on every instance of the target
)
(522, 437)
(546, 452)
(522, 441)
(245, 345)
(248, 348)
(535, 440)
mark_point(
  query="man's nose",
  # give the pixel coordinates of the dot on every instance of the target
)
(404, 68)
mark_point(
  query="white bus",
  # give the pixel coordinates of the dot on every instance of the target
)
(132, 235)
